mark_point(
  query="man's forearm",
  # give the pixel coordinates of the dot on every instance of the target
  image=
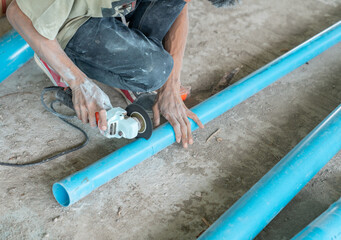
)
(175, 42)
(49, 50)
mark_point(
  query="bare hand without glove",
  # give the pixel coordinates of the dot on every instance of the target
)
(88, 99)
(171, 106)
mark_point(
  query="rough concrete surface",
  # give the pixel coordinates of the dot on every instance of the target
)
(167, 195)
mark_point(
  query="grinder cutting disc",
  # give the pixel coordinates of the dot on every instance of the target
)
(138, 112)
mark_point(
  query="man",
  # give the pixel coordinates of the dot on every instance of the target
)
(80, 40)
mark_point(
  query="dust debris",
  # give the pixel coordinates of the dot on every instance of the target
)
(198, 194)
(13, 158)
(51, 142)
(219, 139)
(55, 219)
(200, 233)
(212, 135)
(239, 179)
(119, 210)
(11, 190)
(205, 221)
(225, 81)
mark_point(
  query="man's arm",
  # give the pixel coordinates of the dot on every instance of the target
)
(175, 43)
(87, 97)
(169, 102)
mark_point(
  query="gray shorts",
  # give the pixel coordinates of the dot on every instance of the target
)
(127, 57)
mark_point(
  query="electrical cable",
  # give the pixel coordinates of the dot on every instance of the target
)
(64, 119)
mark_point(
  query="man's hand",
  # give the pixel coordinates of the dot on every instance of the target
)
(171, 106)
(88, 99)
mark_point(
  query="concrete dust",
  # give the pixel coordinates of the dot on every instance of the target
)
(168, 195)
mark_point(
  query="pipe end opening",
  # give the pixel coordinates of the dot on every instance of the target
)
(61, 195)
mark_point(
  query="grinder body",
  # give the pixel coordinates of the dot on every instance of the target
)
(130, 123)
(120, 125)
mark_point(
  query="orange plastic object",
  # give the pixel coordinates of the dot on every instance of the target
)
(97, 117)
(185, 92)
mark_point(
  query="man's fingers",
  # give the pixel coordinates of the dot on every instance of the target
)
(195, 118)
(84, 114)
(183, 127)
(189, 131)
(91, 113)
(156, 117)
(102, 122)
(92, 119)
(78, 112)
(176, 126)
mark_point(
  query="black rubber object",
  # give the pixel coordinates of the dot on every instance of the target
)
(64, 118)
(64, 95)
(149, 126)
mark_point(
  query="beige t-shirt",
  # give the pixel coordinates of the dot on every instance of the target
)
(61, 18)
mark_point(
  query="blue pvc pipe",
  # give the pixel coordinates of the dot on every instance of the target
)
(80, 184)
(252, 212)
(326, 226)
(14, 52)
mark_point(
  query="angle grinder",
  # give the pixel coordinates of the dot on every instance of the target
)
(132, 122)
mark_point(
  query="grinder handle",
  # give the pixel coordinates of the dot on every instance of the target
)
(64, 95)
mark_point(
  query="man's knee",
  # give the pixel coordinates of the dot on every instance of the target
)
(159, 71)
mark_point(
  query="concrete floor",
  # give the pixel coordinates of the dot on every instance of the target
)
(167, 195)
